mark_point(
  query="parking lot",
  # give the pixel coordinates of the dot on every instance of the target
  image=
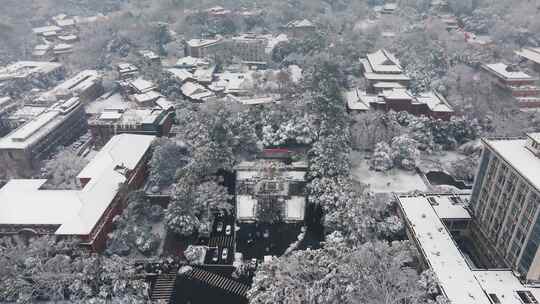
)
(221, 238)
(257, 240)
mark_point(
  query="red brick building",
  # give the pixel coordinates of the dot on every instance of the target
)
(85, 213)
(519, 84)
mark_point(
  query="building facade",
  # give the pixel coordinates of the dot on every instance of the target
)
(22, 149)
(505, 201)
(270, 187)
(147, 121)
(84, 214)
(519, 84)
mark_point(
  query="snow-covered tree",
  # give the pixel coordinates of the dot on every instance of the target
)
(381, 160)
(193, 207)
(167, 158)
(51, 270)
(404, 152)
(370, 273)
(62, 170)
(195, 254)
(329, 156)
(133, 228)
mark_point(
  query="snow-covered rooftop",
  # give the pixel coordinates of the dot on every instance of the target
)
(397, 94)
(80, 82)
(456, 279)
(354, 101)
(40, 126)
(202, 42)
(142, 85)
(191, 62)
(245, 207)
(44, 29)
(75, 211)
(515, 153)
(300, 23)
(295, 208)
(532, 54)
(458, 282)
(196, 91)
(384, 62)
(534, 136)
(435, 102)
(504, 71)
(23, 69)
(386, 77)
(180, 74)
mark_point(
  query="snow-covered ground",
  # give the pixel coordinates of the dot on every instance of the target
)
(395, 180)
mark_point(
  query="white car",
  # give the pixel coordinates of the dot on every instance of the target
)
(224, 253)
(215, 255)
(219, 227)
(228, 230)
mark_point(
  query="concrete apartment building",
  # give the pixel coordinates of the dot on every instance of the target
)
(110, 122)
(505, 201)
(435, 223)
(86, 85)
(84, 214)
(519, 84)
(22, 149)
(250, 47)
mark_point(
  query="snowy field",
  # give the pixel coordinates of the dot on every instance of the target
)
(394, 180)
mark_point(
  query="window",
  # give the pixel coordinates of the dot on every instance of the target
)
(526, 297)
(494, 298)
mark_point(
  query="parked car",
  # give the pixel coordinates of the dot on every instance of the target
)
(228, 230)
(219, 227)
(215, 256)
(224, 254)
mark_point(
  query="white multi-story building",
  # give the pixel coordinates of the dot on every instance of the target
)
(505, 201)
(433, 221)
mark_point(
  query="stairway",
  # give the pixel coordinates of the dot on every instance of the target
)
(164, 287)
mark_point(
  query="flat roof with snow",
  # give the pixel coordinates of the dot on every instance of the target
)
(458, 282)
(23, 69)
(515, 153)
(504, 71)
(39, 127)
(532, 54)
(22, 202)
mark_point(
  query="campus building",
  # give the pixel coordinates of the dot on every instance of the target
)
(531, 54)
(85, 213)
(299, 29)
(250, 47)
(519, 84)
(270, 184)
(201, 48)
(87, 85)
(435, 223)
(505, 201)
(23, 70)
(22, 149)
(430, 104)
(383, 71)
